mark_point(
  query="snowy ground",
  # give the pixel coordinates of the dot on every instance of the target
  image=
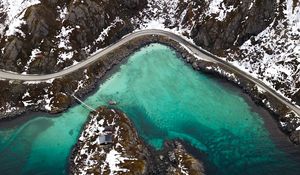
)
(276, 59)
(127, 154)
(113, 158)
(107, 158)
(281, 66)
(15, 12)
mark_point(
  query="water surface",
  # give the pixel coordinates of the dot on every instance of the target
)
(165, 99)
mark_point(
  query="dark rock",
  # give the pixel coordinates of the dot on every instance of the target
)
(87, 19)
(132, 3)
(296, 97)
(172, 157)
(18, 88)
(3, 15)
(39, 19)
(236, 28)
(195, 65)
(295, 137)
(146, 160)
(131, 145)
(291, 123)
(60, 102)
(11, 52)
(40, 24)
(90, 16)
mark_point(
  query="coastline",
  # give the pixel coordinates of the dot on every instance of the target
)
(140, 158)
(101, 69)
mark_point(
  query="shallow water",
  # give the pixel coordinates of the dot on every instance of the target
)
(165, 99)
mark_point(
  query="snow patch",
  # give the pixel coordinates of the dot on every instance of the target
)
(13, 9)
(64, 56)
(15, 25)
(104, 33)
(48, 100)
(217, 7)
(64, 38)
(277, 59)
(34, 54)
(50, 81)
(63, 13)
(260, 90)
(114, 158)
(9, 108)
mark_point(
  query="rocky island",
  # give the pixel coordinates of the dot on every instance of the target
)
(126, 153)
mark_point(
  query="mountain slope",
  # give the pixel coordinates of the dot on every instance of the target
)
(259, 36)
(48, 36)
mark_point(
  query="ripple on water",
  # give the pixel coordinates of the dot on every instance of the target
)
(166, 100)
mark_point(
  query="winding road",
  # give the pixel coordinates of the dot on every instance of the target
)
(197, 51)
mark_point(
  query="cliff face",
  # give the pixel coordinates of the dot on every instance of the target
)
(235, 23)
(214, 25)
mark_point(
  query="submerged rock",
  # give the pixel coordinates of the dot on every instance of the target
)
(177, 161)
(295, 137)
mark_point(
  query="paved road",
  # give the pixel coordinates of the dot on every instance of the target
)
(193, 48)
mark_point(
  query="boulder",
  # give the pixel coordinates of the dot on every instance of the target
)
(290, 123)
(295, 137)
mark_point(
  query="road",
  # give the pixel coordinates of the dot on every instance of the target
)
(193, 48)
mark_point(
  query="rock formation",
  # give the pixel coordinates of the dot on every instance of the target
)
(63, 32)
(246, 19)
(127, 153)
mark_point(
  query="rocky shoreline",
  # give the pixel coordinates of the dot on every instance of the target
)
(127, 153)
(84, 81)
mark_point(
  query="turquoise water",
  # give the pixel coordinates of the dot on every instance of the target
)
(166, 100)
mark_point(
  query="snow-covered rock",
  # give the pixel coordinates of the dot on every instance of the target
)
(125, 154)
(274, 55)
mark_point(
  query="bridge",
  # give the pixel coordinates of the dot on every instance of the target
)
(83, 104)
(192, 48)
